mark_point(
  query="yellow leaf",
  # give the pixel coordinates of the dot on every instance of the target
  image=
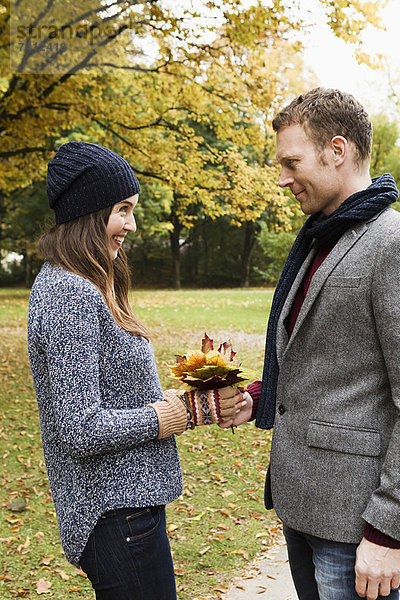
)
(197, 518)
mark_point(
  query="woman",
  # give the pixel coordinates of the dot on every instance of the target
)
(107, 429)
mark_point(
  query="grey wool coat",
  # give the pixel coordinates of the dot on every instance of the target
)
(335, 457)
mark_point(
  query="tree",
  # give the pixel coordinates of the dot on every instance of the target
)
(183, 118)
(27, 215)
(66, 47)
(385, 157)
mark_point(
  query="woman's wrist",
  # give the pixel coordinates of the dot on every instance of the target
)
(172, 415)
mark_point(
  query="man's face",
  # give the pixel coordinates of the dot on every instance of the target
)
(307, 171)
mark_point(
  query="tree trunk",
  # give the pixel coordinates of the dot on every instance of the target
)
(175, 250)
(205, 254)
(28, 270)
(2, 215)
(248, 247)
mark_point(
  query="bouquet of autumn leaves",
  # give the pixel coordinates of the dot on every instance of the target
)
(203, 375)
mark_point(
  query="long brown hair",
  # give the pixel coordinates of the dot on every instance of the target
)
(80, 246)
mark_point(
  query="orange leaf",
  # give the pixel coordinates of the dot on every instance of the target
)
(221, 588)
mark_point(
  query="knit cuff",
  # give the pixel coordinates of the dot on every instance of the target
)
(172, 417)
(377, 537)
(254, 390)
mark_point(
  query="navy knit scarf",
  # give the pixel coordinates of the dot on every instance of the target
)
(358, 207)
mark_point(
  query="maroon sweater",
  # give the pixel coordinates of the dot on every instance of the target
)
(254, 389)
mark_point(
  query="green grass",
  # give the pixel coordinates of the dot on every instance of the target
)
(219, 522)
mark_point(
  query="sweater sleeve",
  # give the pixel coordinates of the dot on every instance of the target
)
(71, 334)
(254, 390)
(381, 539)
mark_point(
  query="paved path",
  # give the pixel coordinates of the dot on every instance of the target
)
(269, 578)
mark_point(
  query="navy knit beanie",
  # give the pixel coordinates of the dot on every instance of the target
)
(83, 178)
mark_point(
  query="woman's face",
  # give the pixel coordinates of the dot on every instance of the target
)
(120, 222)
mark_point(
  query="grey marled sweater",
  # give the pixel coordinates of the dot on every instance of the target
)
(93, 381)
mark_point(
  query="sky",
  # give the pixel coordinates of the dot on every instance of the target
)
(333, 62)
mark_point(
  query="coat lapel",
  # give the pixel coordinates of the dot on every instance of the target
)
(281, 333)
(335, 256)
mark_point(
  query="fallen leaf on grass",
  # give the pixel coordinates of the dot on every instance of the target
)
(242, 552)
(9, 540)
(221, 588)
(46, 560)
(24, 546)
(81, 573)
(43, 586)
(63, 574)
(14, 520)
(197, 518)
(218, 477)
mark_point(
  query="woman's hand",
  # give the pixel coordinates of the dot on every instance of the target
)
(243, 411)
(212, 406)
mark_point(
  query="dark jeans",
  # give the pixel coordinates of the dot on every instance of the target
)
(321, 569)
(128, 556)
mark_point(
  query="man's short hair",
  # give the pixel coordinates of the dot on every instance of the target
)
(325, 113)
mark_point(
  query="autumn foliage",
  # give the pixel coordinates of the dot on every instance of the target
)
(186, 95)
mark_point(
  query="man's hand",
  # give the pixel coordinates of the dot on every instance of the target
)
(243, 412)
(377, 570)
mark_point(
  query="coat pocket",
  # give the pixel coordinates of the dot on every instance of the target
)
(343, 438)
(348, 282)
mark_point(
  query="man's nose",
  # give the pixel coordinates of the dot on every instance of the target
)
(285, 179)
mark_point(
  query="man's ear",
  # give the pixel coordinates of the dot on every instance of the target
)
(339, 147)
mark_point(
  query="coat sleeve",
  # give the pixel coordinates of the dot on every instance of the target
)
(383, 509)
(71, 335)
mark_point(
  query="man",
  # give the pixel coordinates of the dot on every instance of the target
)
(331, 382)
